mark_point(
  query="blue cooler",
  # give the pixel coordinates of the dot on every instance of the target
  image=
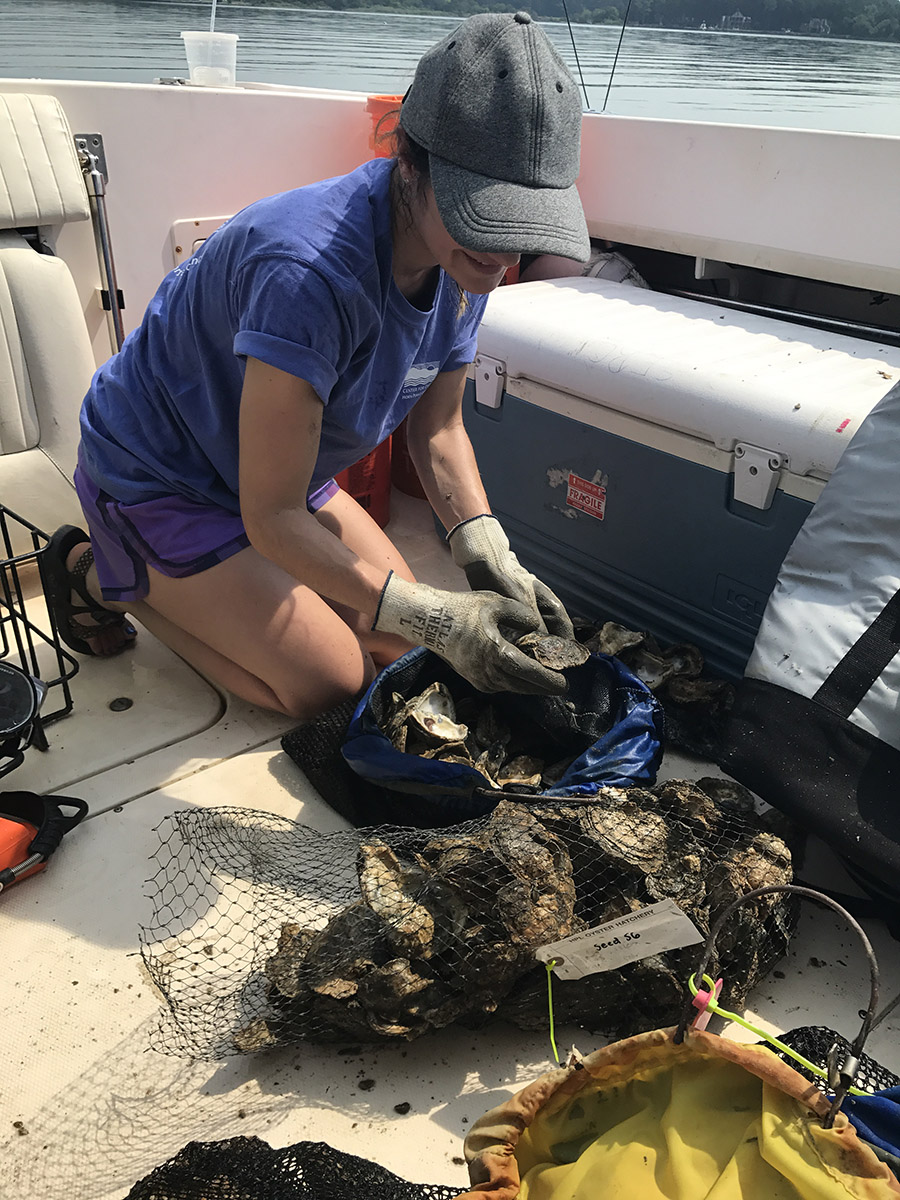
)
(652, 458)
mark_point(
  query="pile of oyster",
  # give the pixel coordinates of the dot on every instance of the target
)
(696, 704)
(471, 731)
(444, 924)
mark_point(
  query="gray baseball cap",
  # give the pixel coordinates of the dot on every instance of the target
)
(500, 116)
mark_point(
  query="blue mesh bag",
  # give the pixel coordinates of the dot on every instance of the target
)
(608, 722)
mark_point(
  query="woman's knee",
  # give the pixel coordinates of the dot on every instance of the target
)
(312, 693)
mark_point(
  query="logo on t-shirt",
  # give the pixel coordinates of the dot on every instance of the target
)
(418, 377)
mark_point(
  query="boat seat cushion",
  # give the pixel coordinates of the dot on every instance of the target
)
(33, 487)
(40, 177)
(46, 361)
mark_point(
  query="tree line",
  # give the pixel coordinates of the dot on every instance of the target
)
(876, 19)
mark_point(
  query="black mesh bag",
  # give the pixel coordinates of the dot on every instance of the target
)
(266, 932)
(315, 747)
(814, 1043)
(245, 1168)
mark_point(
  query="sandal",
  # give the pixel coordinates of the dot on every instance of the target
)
(60, 583)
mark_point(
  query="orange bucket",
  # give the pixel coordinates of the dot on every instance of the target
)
(404, 475)
(378, 108)
(369, 482)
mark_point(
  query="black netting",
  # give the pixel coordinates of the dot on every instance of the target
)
(244, 1168)
(267, 933)
(814, 1042)
(315, 746)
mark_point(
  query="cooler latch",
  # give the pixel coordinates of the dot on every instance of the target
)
(757, 472)
(490, 380)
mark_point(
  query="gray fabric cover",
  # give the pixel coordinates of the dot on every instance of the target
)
(842, 569)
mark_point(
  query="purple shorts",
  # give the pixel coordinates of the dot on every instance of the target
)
(174, 535)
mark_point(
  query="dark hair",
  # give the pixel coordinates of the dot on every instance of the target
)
(406, 147)
(390, 132)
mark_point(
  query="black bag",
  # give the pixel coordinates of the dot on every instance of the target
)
(815, 729)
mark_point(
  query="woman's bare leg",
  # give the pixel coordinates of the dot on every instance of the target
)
(216, 667)
(255, 631)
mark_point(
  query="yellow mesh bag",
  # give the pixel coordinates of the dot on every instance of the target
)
(646, 1119)
(682, 1114)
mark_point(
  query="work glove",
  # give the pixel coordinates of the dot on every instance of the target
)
(467, 630)
(481, 548)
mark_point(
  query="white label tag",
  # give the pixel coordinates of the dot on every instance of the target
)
(637, 935)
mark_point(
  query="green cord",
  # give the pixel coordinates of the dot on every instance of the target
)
(550, 965)
(713, 1006)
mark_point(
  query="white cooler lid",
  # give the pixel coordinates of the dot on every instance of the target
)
(720, 375)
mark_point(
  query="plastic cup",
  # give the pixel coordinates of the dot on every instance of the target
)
(212, 58)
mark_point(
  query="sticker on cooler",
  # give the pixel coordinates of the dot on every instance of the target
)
(587, 496)
(651, 930)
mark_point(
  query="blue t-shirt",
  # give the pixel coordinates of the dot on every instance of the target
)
(302, 281)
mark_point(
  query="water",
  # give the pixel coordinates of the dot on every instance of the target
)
(816, 83)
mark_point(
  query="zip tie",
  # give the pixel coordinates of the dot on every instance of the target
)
(712, 1005)
(550, 965)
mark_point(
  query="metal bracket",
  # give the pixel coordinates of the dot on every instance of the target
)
(757, 472)
(91, 144)
(92, 160)
(490, 380)
(187, 234)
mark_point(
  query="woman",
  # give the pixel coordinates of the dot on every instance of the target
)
(292, 343)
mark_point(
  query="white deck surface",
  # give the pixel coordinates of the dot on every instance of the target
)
(86, 1108)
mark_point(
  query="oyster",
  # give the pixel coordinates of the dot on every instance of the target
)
(449, 752)
(686, 801)
(392, 981)
(628, 835)
(727, 793)
(427, 720)
(757, 932)
(522, 771)
(514, 872)
(763, 862)
(308, 961)
(613, 639)
(428, 727)
(538, 904)
(650, 668)
(255, 1036)
(490, 760)
(695, 706)
(389, 887)
(433, 715)
(445, 923)
(556, 653)
(686, 661)
(283, 968)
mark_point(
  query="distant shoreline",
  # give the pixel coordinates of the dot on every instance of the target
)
(468, 7)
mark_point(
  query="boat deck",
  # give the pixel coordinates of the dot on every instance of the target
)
(87, 1108)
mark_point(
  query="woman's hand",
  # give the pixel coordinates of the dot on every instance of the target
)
(469, 630)
(444, 458)
(481, 548)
